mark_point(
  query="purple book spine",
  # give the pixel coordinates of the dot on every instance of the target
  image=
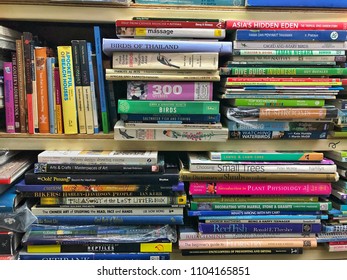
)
(9, 97)
(259, 228)
(170, 90)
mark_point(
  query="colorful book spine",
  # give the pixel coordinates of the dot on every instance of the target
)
(286, 59)
(244, 251)
(291, 35)
(9, 97)
(259, 188)
(171, 118)
(281, 81)
(197, 213)
(157, 60)
(270, 45)
(167, 107)
(42, 89)
(196, 2)
(289, 52)
(199, 91)
(35, 106)
(51, 94)
(15, 91)
(149, 45)
(101, 80)
(65, 59)
(278, 135)
(93, 88)
(171, 24)
(58, 102)
(276, 102)
(76, 61)
(169, 32)
(284, 25)
(246, 243)
(298, 3)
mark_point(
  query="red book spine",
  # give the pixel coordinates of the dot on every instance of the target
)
(170, 24)
(284, 25)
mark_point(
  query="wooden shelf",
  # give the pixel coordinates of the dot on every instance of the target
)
(106, 142)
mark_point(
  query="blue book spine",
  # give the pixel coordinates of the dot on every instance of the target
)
(170, 118)
(94, 256)
(334, 228)
(92, 88)
(230, 3)
(277, 135)
(150, 45)
(265, 217)
(108, 220)
(8, 201)
(51, 93)
(259, 228)
(192, 213)
(101, 81)
(291, 35)
(298, 3)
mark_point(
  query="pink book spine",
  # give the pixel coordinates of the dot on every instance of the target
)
(170, 90)
(259, 188)
(284, 25)
(9, 97)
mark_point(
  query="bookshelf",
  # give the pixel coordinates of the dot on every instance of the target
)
(58, 16)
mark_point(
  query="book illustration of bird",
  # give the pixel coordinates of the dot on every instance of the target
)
(166, 61)
(124, 133)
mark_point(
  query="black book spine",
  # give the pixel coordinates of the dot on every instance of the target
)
(99, 194)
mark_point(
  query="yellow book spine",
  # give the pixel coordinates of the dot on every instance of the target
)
(68, 92)
(43, 248)
(156, 247)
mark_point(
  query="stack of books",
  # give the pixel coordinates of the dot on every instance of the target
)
(104, 202)
(170, 67)
(255, 202)
(281, 78)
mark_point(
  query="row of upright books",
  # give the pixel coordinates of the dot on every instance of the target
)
(147, 205)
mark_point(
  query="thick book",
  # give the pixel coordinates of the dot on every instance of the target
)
(297, 3)
(93, 256)
(157, 60)
(147, 90)
(167, 107)
(261, 188)
(102, 157)
(110, 45)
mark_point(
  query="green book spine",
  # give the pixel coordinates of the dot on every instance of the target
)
(290, 156)
(287, 71)
(167, 107)
(277, 102)
(289, 206)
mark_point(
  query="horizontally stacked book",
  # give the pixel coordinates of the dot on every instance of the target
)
(170, 67)
(91, 203)
(281, 78)
(255, 202)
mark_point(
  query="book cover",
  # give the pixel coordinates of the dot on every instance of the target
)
(193, 91)
(110, 45)
(68, 93)
(9, 97)
(157, 60)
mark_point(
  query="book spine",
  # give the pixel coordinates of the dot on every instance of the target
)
(156, 60)
(171, 118)
(270, 198)
(167, 107)
(200, 91)
(337, 248)
(15, 92)
(87, 95)
(169, 134)
(35, 105)
(150, 45)
(198, 213)
(247, 243)
(277, 102)
(259, 228)
(270, 219)
(260, 71)
(278, 135)
(148, 32)
(93, 88)
(171, 24)
(284, 25)
(114, 201)
(109, 220)
(21, 87)
(270, 45)
(243, 81)
(261, 188)
(58, 102)
(42, 89)
(9, 97)
(267, 59)
(297, 3)
(102, 248)
(96, 194)
(288, 52)
(8, 243)
(292, 206)
(76, 61)
(101, 80)
(196, 2)
(245, 251)
(291, 35)
(213, 77)
(51, 94)
(68, 92)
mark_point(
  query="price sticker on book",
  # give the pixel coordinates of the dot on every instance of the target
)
(140, 31)
(218, 32)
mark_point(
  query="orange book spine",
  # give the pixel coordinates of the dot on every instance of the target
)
(42, 89)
